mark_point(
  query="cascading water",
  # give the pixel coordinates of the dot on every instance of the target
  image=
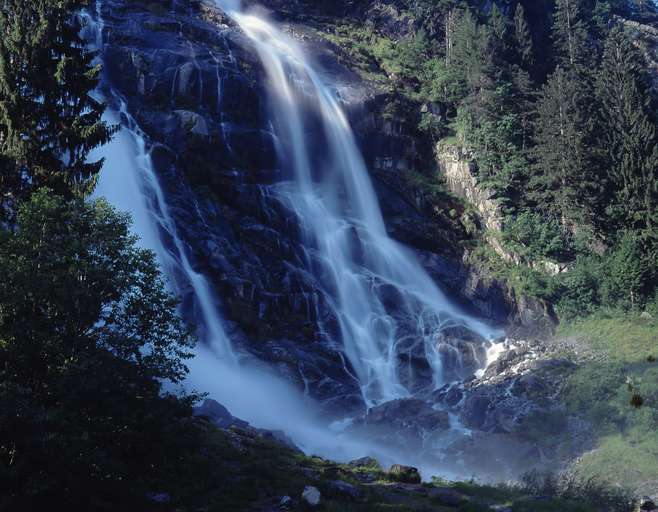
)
(348, 250)
(360, 266)
(250, 390)
(146, 202)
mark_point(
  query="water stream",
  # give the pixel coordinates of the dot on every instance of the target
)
(385, 302)
(349, 251)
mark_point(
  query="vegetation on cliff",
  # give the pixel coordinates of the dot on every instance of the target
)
(560, 122)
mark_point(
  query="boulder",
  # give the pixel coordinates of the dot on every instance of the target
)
(192, 122)
(646, 504)
(365, 462)
(404, 474)
(407, 414)
(311, 496)
(218, 414)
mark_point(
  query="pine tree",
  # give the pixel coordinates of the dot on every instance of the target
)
(570, 37)
(629, 138)
(562, 161)
(48, 121)
(522, 37)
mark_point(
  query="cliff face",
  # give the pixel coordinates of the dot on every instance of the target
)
(194, 85)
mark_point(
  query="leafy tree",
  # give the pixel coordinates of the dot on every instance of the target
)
(628, 129)
(48, 121)
(534, 237)
(87, 333)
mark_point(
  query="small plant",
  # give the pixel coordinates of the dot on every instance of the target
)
(637, 401)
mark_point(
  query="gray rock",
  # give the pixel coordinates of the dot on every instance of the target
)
(311, 496)
(192, 122)
(218, 414)
(158, 497)
(500, 508)
(365, 462)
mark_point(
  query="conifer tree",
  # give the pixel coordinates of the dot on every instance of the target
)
(48, 121)
(522, 37)
(629, 136)
(570, 36)
(560, 152)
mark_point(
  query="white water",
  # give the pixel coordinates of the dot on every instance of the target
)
(338, 210)
(250, 390)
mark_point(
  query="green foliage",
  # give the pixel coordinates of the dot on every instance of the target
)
(535, 237)
(522, 37)
(570, 36)
(48, 121)
(562, 158)
(601, 389)
(623, 278)
(87, 333)
(629, 138)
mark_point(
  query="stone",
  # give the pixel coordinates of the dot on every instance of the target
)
(285, 503)
(341, 489)
(646, 503)
(365, 462)
(218, 414)
(646, 315)
(405, 474)
(500, 508)
(311, 496)
(192, 122)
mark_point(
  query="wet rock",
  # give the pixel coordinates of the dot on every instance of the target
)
(311, 496)
(192, 122)
(404, 474)
(406, 423)
(407, 414)
(159, 497)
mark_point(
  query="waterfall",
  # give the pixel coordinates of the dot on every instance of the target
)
(331, 193)
(130, 183)
(347, 245)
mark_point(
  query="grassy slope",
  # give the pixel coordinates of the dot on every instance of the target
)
(627, 437)
(253, 473)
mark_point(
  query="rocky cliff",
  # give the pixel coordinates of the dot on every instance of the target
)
(189, 78)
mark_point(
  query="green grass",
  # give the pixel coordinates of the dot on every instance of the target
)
(627, 445)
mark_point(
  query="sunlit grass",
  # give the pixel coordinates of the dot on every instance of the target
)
(626, 448)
